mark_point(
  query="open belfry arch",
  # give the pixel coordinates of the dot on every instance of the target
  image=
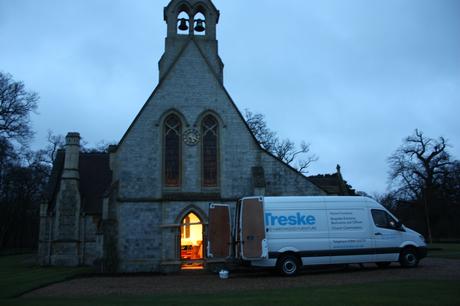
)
(141, 206)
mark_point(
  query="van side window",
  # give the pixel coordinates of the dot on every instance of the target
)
(383, 219)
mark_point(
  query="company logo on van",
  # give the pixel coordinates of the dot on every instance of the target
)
(297, 219)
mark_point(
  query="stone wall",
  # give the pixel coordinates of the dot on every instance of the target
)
(85, 250)
(90, 250)
(149, 234)
(139, 236)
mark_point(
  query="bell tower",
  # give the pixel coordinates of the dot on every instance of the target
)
(191, 21)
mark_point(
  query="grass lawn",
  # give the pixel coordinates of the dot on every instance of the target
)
(18, 274)
(387, 293)
(447, 250)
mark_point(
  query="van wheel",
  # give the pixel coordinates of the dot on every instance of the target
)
(408, 258)
(383, 265)
(288, 265)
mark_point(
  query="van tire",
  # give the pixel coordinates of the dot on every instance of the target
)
(288, 265)
(408, 258)
(383, 264)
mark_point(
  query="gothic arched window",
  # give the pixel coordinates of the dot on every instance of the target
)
(210, 132)
(172, 151)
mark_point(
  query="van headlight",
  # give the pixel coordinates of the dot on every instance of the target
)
(422, 238)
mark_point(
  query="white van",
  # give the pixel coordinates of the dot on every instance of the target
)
(290, 232)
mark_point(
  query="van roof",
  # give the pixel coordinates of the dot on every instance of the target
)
(322, 199)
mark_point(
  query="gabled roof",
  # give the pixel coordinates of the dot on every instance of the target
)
(333, 184)
(95, 179)
(180, 2)
(192, 40)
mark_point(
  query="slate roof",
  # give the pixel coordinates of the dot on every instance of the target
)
(55, 179)
(333, 184)
(95, 180)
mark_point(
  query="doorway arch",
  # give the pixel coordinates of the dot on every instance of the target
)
(191, 241)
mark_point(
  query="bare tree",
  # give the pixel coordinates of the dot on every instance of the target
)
(21, 185)
(47, 155)
(101, 147)
(419, 164)
(418, 167)
(286, 150)
(55, 142)
(266, 138)
(16, 104)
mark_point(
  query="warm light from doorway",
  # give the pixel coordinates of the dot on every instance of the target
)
(191, 238)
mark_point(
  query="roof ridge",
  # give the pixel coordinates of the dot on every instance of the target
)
(160, 82)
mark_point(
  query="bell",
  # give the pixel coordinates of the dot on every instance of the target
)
(183, 24)
(199, 25)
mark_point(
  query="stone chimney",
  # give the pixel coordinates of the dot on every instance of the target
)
(72, 156)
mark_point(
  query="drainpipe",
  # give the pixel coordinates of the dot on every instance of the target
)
(84, 239)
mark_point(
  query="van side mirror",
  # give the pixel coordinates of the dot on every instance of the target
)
(399, 226)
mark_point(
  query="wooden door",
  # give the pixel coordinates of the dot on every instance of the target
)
(219, 231)
(252, 224)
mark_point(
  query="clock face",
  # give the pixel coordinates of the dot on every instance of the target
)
(191, 137)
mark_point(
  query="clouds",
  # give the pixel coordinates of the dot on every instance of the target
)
(351, 77)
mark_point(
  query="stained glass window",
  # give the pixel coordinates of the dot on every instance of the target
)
(210, 130)
(172, 151)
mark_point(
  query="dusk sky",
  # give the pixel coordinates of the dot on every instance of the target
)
(351, 77)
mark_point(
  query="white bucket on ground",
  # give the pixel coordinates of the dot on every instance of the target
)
(223, 274)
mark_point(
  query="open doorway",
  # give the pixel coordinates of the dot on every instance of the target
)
(191, 242)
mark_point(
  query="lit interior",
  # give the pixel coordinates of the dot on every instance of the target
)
(191, 241)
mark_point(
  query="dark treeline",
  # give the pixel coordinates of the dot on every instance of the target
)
(23, 173)
(23, 180)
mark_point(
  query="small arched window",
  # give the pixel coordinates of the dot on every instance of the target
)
(210, 132)
(172, 151)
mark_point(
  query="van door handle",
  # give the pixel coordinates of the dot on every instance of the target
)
(378, 234)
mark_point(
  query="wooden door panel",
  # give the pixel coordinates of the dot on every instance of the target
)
(219, 231)
(252, 228)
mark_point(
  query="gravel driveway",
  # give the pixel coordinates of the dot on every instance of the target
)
(205, 282)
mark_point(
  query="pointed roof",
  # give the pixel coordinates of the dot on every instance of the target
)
(95, 179)
(190, 3)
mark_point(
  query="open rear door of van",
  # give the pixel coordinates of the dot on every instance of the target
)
(237, 230)
(252, 229)
(219, 231)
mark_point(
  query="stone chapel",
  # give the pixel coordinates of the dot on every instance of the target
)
(142, 207)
